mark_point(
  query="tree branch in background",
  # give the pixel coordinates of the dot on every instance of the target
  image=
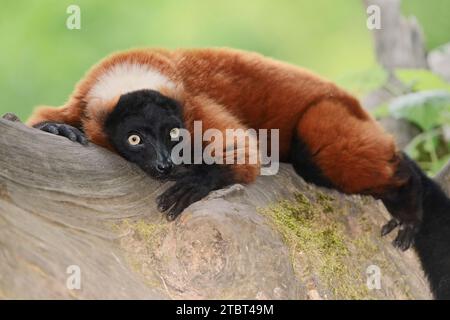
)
(399, 43)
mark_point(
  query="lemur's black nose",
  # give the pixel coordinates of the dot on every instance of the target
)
(164, 167)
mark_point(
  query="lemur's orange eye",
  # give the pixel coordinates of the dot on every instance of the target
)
(134, 140)
(174, 133)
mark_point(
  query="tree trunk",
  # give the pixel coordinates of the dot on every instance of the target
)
(399, 42)
(64, 205)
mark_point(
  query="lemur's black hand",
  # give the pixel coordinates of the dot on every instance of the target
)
(405, 235)
(183, 193)
(191, 188)
(64, 130)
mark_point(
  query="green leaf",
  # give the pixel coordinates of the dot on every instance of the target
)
(438, 165)
(382, 111)
(363, 82)
(426, 109)
(420, 80)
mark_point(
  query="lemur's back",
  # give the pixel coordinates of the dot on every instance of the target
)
(259, 90)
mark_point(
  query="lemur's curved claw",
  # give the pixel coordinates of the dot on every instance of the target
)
(389, 227)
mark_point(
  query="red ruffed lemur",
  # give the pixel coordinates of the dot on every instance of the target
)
(132, 101)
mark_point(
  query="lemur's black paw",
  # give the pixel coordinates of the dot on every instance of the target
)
(182, 194)
(64, 130)
(389, 227)
(405, 237)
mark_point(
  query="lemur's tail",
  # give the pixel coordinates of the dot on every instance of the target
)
(432, 242)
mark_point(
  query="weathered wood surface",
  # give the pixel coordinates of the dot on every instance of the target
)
(63, 204)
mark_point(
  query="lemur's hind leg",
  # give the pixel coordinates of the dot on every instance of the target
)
(303, 162)
(340, 146)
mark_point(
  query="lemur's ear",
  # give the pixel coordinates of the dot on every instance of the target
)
(176, 93)
(99, 109)
(96, 113)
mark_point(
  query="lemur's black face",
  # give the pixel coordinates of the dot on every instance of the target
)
(141, 128)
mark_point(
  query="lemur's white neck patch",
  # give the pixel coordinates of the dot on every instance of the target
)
(127, 77)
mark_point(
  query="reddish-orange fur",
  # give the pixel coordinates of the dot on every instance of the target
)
(349, 146)
(235, 89)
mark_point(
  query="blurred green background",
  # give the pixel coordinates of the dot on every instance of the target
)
(41, 60)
